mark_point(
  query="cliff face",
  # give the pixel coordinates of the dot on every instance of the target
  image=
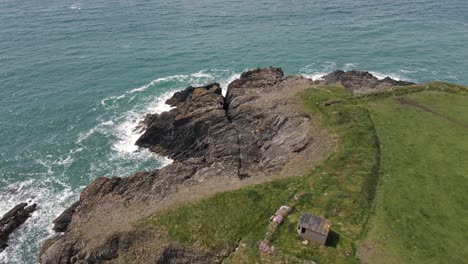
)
(251, 135)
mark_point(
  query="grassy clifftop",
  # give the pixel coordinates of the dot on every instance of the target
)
(394, 188)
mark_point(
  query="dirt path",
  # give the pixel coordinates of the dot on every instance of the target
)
(407, 101)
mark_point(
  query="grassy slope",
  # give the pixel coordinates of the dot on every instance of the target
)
(429, 163)
(421, 210)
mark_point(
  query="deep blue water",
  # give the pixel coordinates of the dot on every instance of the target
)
(76, 76)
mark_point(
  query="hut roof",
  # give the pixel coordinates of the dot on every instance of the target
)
(316, 224)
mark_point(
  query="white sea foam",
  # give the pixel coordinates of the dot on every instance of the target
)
(127, 136)
(108, 123)
(382, 76)
(179, 78)
(408, 71)
(224, 83)
(159, 105)
(192, 78)
(315, 75)
(349, 66)
(75, 7)
(46, 164)
(195, 79)
(126, 131)
(201, 74)
(156, 81)
(84, 135)
(67, 161)
(113, 99)
(319, 75)
(316, 72)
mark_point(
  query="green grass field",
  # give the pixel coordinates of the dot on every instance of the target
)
(421, 211)
(394, 189)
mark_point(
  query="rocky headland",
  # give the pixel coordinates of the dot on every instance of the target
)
(256, 133)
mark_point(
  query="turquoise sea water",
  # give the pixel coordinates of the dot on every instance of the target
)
(77, 76)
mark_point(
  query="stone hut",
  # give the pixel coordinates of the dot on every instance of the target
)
(314, 228)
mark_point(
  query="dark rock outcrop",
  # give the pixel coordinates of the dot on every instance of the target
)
(268, 132)
(197, 128)
(61, 222)
(240, 135)
(12, 220)
(361, 81)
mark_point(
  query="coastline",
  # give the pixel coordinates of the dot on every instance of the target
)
(261, 97)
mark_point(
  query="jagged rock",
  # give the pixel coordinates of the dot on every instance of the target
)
(259, 78)
(61, 222)
(361, 81)
(197, 128)
(268, 132)
(143, 125)
(12, 220)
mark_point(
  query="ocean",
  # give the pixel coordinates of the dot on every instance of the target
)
(77, 76)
